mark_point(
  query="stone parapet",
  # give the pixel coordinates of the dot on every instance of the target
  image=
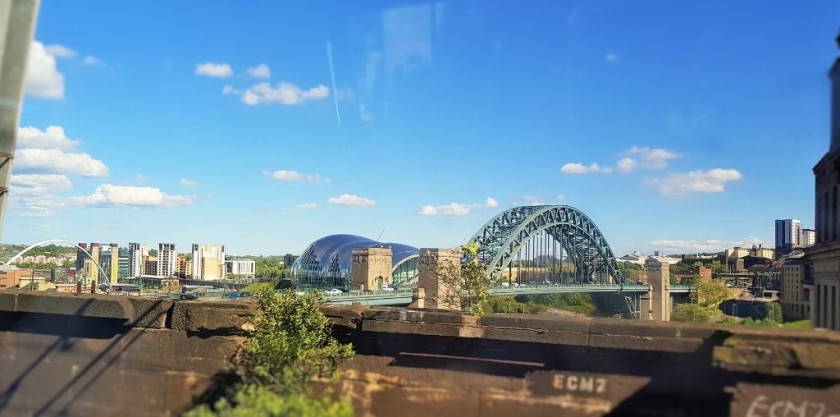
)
(104, 355)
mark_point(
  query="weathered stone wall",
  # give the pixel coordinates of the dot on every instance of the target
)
(92, 355)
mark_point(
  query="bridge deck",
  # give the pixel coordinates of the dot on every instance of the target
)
(403, 296)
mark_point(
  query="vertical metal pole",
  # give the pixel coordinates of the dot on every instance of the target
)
(17, 23)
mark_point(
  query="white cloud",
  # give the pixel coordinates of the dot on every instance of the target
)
(560, 197)
(652, 158)
(612, 57)
(140, 178)
(109, 195)
(351, 200)
(91, 60)
(60, 51)
(307, 206)
(285, 93)
(44, 205)
(453, 209)
(212, 69)
(578, 168)
(60, 162)
(533, 200)
(38, 184)
(183, 182)
(626, 164)
(51, 138)
(229, 89)
(490, 203)
(711, 181)
(292, 176)
(42, 77)
(260, 71)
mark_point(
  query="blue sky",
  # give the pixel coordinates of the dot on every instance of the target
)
(676, 126)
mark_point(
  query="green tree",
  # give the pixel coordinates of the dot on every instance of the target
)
(773, 312)
(691, 312)
(268, 267)
(717, 267)
(711, 293)
(289, 347)
(471, 277)
(476, 284)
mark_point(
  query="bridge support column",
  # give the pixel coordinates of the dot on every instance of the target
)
(371, 268)
(440, 278)
(657, 304)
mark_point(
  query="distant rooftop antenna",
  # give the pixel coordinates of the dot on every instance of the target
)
(379, 239)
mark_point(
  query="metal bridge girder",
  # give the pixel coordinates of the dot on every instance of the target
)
(502, 237)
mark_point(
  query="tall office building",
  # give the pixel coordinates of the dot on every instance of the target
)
(136, 262)
(94, 272)
(114, 270)
(208, 262)
(809, 237)
(788, 236)
(166, 260)
(825, 255)
(80, 257)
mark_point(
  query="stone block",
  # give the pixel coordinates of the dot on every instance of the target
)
(211, 317)
(120, 392)
(419, 316)
(385, 326)
(651, 329)
(163, 350)
(183, 388)
(520, 321)
(8, 301)
(647, 343)
(535, 336)
(780, 353)
(149, 312)
(784, 400)
(85, 305)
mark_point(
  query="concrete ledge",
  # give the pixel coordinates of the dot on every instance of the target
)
(651, 329)
(83, 305)
(150, 313)
(419, 316)
(782, 353)
(211, 317)
(8, 301)
(554, 324)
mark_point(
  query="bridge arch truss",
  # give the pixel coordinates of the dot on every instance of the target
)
(502, 238)
(103, 278)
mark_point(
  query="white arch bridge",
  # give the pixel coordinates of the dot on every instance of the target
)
(103, 278)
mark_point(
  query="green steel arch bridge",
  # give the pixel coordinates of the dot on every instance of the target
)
(549, 249)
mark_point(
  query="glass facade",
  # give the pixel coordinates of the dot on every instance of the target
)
(326, 262)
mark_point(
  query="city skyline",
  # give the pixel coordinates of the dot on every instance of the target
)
(419, 123)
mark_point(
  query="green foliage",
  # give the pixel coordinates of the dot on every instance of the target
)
(256, 400)
(291, 343)
(773, 312)
(691, 312)
(257, 286)
(711, 293)
(749, 321)
(288, 348)
(475, 282)
(270, 266)
(471, 277)
(510, 305)
(799, 324)
(717, 267)
(694, 281)
(580, 303)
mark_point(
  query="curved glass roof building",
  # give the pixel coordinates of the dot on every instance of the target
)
(326, 261)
